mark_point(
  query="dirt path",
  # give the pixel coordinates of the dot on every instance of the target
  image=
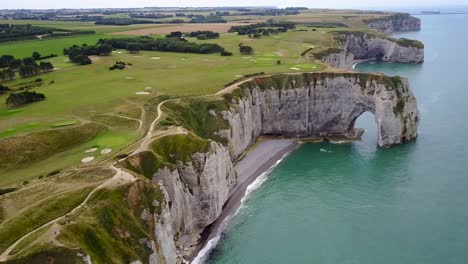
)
(140, 122)
(121, 177)
(148, 137)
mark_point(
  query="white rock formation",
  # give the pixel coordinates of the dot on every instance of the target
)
(395, 23)
(358, 46)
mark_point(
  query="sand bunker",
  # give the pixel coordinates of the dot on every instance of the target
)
(295, 69)
(142, 93)
(106, 151)
(87, 159)
(128, 78)
(148, 88)
(91, 150)
(155, 58)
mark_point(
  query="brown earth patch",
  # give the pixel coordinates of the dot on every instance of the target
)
(189, 27)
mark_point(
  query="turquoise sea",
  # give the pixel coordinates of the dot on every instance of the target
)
(356, 203)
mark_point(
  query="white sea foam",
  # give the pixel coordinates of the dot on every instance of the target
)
(211, 244)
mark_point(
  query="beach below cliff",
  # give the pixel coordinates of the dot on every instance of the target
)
(257, 161)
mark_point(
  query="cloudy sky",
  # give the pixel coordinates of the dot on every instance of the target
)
(280, 3)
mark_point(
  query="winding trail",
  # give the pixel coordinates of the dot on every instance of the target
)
(126, 117)
(121, 177)
(148, 137)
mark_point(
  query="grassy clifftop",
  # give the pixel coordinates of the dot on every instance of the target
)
(341, 35)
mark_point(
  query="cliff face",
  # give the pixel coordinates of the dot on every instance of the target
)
(355, 46)
(340, 60)
(367, 46)
(394, 23)
(195, 194)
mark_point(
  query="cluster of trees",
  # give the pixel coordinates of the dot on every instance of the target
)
(208, 19)
(9, 32)
(202, 35)
(24, 97)
(150, 15)
(80, 54)
(266, 28)
(120, 65)
(290, 11)
(31, 68)
(121, 21)
(26, 67)
(166, 44)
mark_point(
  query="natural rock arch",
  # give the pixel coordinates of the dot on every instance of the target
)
(323, 105)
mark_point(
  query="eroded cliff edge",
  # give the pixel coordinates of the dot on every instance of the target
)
(355, 46)
(195, 170)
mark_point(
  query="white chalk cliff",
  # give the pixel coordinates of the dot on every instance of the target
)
(358, 46)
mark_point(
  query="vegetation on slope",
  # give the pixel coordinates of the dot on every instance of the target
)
(115, 228)
(194, 114)
(25, 149)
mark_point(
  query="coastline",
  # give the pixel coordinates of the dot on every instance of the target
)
(259, 159)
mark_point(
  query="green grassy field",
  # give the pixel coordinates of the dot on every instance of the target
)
(80, 93)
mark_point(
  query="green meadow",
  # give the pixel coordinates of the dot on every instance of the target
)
(78, 95)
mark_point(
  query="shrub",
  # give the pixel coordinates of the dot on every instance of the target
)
(226, 53)
(118, 65)
(4, 89)
(246, 50)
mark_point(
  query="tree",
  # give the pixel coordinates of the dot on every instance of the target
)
(29, 61)
(246, 50)
(6, 60)
(82, 59)
(104, 50)
(133, 47)
(9, 74)
(36, 55)
(4, 89)
(46, 66)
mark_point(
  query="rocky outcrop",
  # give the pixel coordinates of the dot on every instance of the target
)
(358, 46)
(394, 23)
(291, 105)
